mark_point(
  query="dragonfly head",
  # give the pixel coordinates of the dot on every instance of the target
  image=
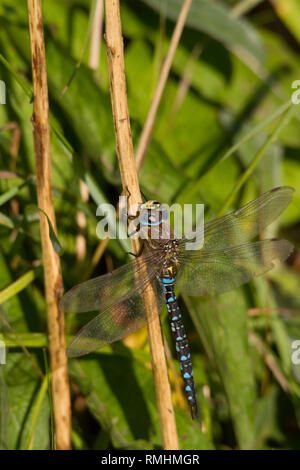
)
(153, 213)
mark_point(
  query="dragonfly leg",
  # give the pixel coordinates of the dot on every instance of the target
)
(136, 255)
(130, 216)
(129, 194)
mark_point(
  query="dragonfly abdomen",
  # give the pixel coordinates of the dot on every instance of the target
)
(181, 343)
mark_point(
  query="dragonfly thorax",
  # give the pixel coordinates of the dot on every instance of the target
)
(171, 253)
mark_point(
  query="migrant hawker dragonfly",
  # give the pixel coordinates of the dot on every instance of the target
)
(226, 261)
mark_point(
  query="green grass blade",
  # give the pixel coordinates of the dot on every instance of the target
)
(17, 286)
(283, 121)
(36, 410)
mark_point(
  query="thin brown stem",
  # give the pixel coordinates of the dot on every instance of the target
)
(254, 312)
(14, 150)
(244, 6)
(20, 343)
(52, 271)
(270, 361)
(116, 67)
(150, 121)
(96, 36)
(94, 55)
(183, 87)
(96, 257)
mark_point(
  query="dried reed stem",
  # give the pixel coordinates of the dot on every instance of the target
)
(81, 223)
(150, 121)
(269, 360)
(52, 271)
(115, 58)
(96, 36)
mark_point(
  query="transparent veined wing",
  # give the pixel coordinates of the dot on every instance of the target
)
(242, 225)
(202, 272)
(112, 288)
(116, 321)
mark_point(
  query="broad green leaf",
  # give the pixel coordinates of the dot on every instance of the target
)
(215, 19)
(137, 423)
(157, 164)
(6, 221)
(266, 422)
(36, 412)
(24, 383)
(92, 124)
(100, 383)
(224, 330)
(291, 173)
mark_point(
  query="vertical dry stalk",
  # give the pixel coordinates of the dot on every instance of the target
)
(96, 36)
(52, 272)
(81, 223)
(14, 150)
(269, 360)
(115, 57)
(149, 125)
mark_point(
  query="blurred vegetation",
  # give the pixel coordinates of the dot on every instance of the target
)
(231, 79)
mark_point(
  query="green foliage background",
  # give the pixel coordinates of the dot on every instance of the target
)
(241, 71)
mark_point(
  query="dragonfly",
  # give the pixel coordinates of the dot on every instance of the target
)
(227, 259)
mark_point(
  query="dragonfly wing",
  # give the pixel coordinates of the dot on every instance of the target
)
(243, 224)
(116, 322)
(109, 289)
(203, 272)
